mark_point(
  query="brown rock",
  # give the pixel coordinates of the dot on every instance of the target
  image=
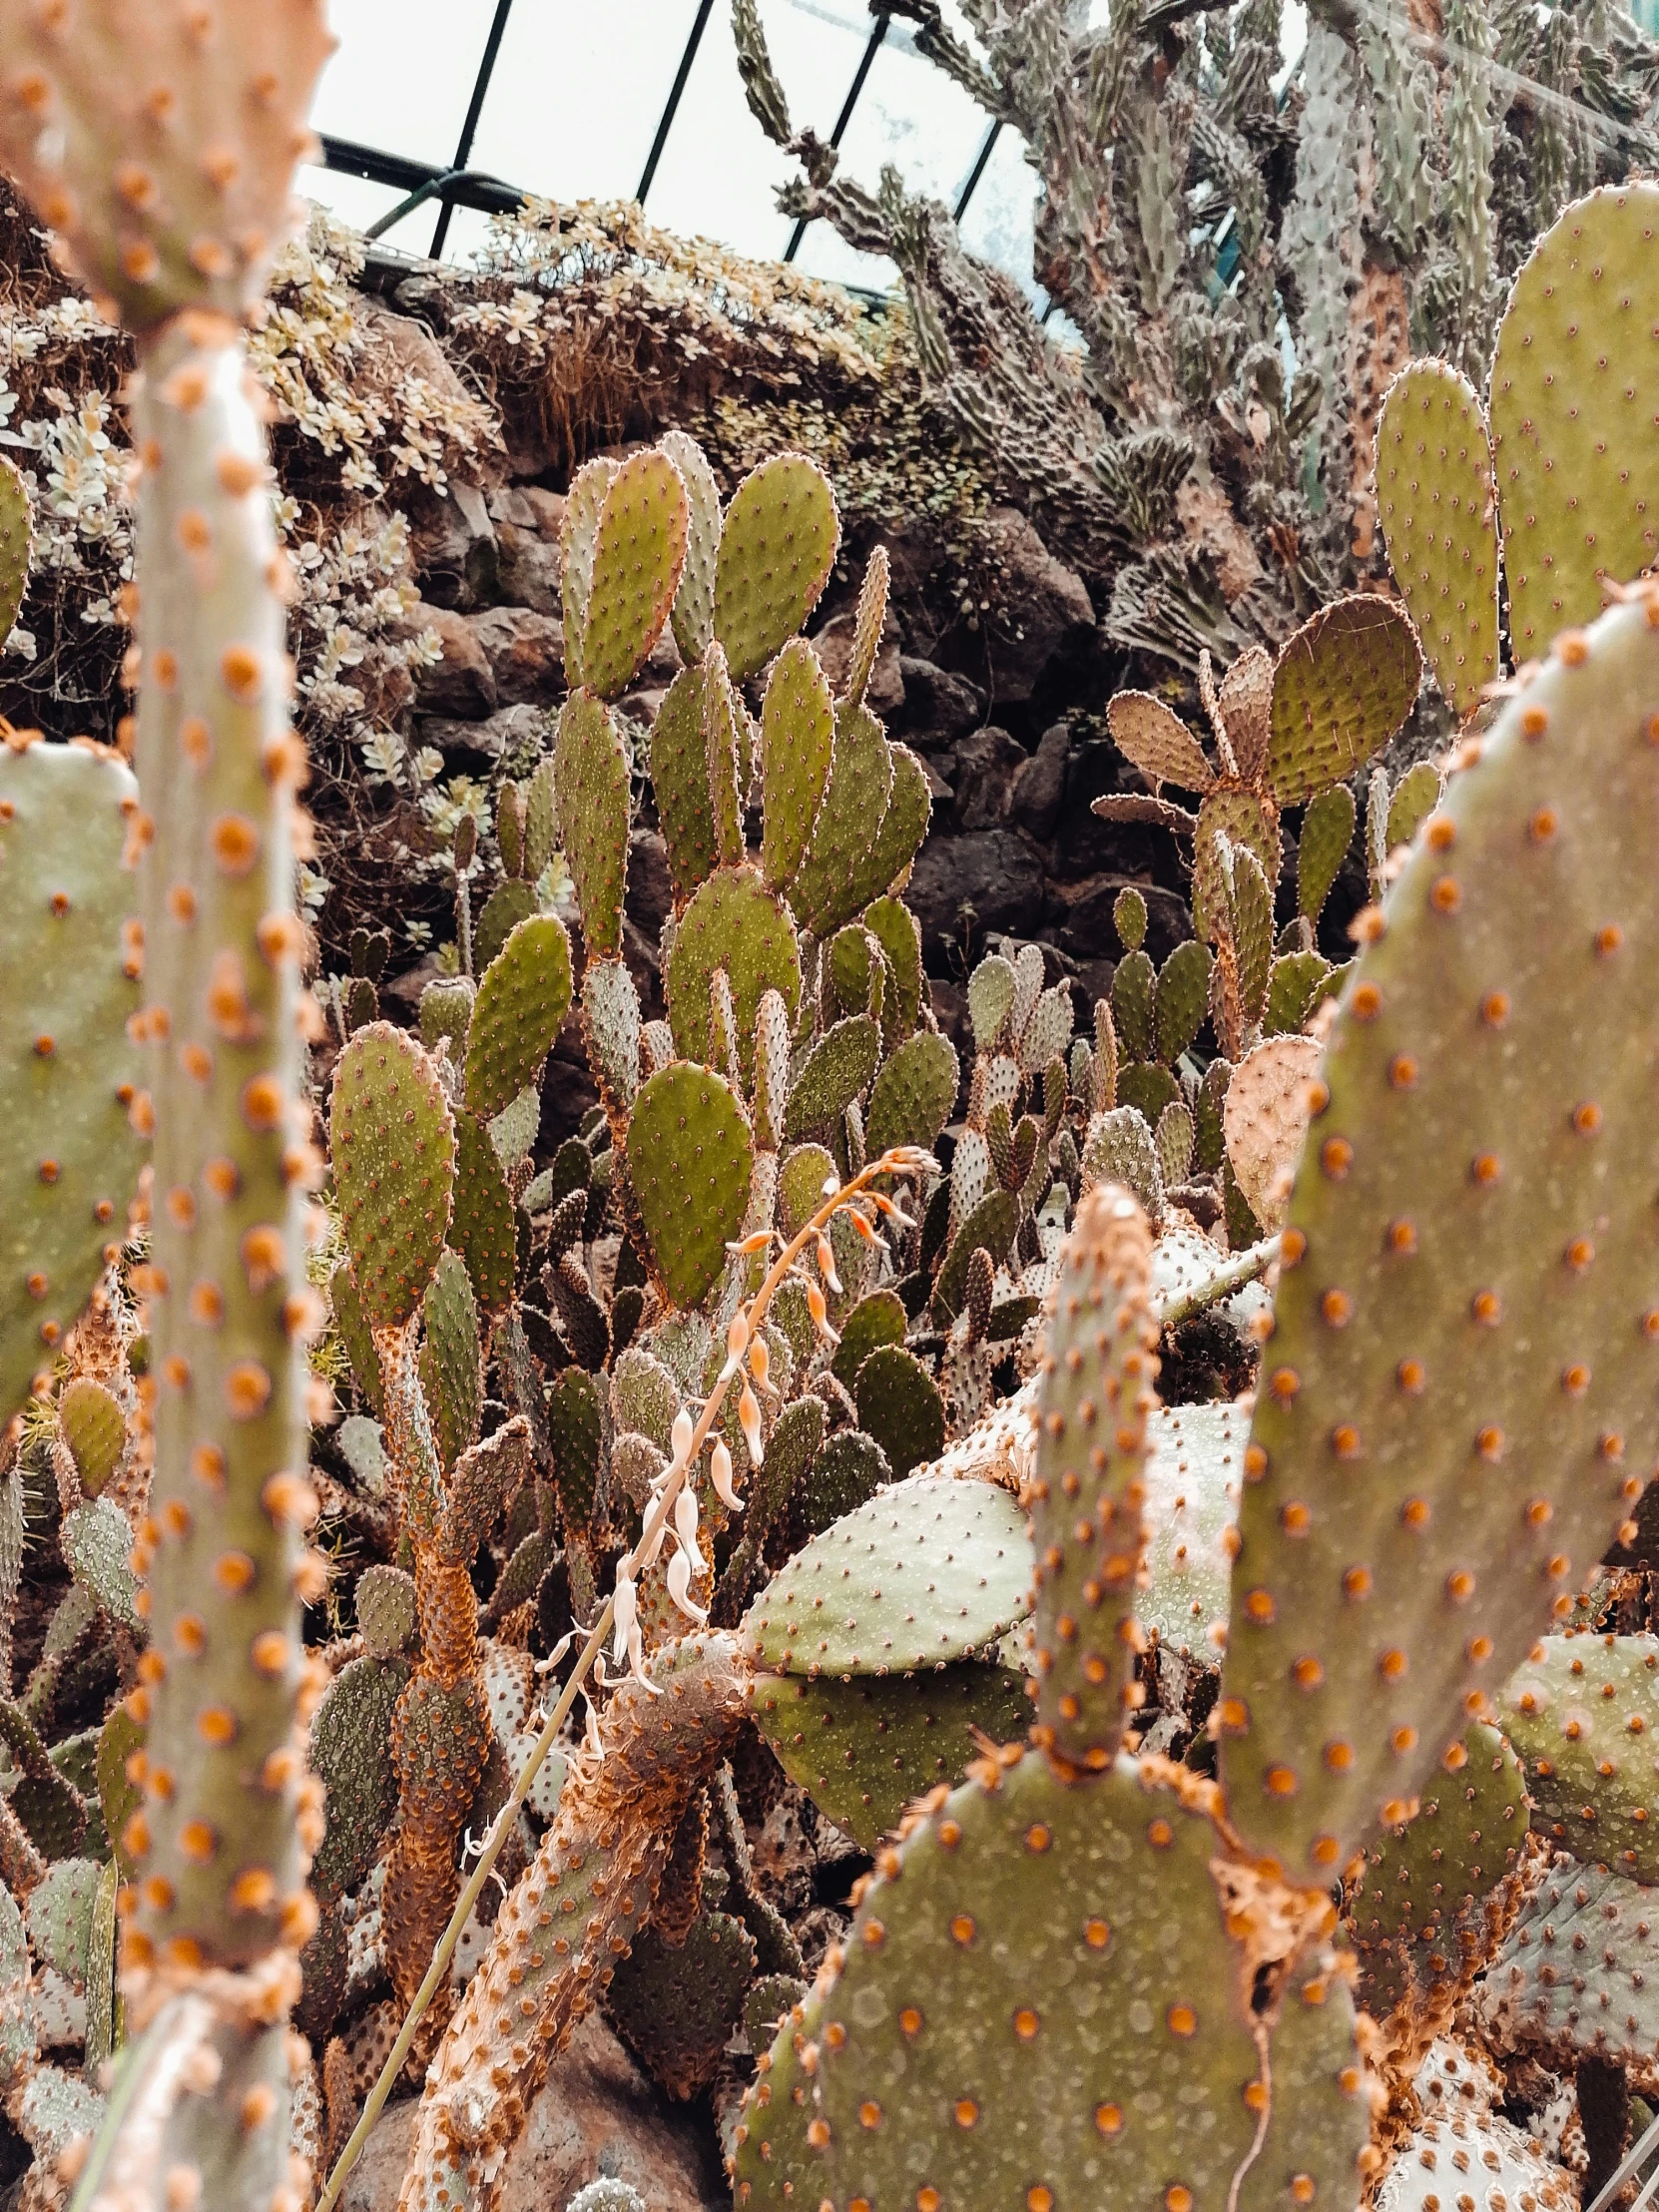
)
(993, 872)
(526, 655)
(1041, 785)
(452, 543)
(596, 2117)
(548, 510)
(510, 730)
(531, 571)
(985, 768)
(462, 683)
(1041, 604)
(939, 706)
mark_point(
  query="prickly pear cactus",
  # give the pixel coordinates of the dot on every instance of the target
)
(1437, 504)
(1459, 1391)
(69, 1095)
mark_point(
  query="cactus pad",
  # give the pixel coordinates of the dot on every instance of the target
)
(890, 853)
(639, 551)
(357, 1333)
(1327, 833)
(727, 749)
(95, 1541)
(485, 1229)
(1431, 1897)
(1343, 684)
(901, 1407)
(877, 1320)
(678, 2005)
(823, 892)
(933, 1569)
(1439, 509)
(800, 1182)
(590, 785)
(732, 922)
(693, 617)
(680, 779)
(913, 1096)
(1583, 1714)
(862, 1750)
(611, 1028)
(990, 1226)
(1266, 1121)
(584, 505)
(893, 927)
(522, 1002)
(980, 2048)
(451, 1370)
(14, 544)
(1178, 1004)
(1571, 405)
(688, 1164)
(506, 906)
(485, 1477)
(834, 1072)
(392, 1141)
(58, 1913)
(67, 1068)
(1241, 817)
(776, 548)
(1431, 1480)
(575, 1423)
(95, 1429)
(1578, 1975)
(990, 996)
(1194, 1473)
(386, 1599)
(352, 1751)
(1158, 742)
(798, 737)
(1458, 2153)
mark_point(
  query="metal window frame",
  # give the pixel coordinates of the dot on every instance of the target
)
(872, 46)
(474, 109)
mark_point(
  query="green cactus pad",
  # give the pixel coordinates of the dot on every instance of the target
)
(590, 785)
(1242, 819)
(68, 1072)
(693, 617)
(118, 1798)
(677, 2005)
(638, 554)
(451, 1368)
(1578, 1975)
(1294, 987)
(990, 996)
(352, 1751)
(688, 1164)
(1459, 1398)
(506, 906)
(485, 1229)
(14, 544)
(1343, 686)
(823, 892)
(680, 779)
(57, 1912)
(798, 737)
(1134, 985)
(1437, 506)
(899, 1405)
(854, 958)
(644, 1396)
(1248, 897)
(862, 1750)
(1193, 1474)
(725, 749)
(611, 1028)
(800, 1182)
(1319, 2121)
(356, 1335)
(522, 1002)
(1427, 1908)
(97, 1541)
(1158, 742)
(933, 1569)
(895, 930)
(980, 2045)
(95, 1430)
(393, 1142)
(868, 622)
(913, 1097)
(100, 1990)
(1087, 1486)
(771, 1071)
(847, 1473)
(514, 1130)
(50, 1809)
(447, 1011)
(732, 922)
(1179, 1002)
(1327, 833)
(386, 1599)
(834, 1072)
(584, 505)
(889, 855)
(1571, 405)
(992, 1224)
(1415, 797)
(877, 1320)
(1583, 1714)
(1118, 1148)
(776, 548)
(575, 1421)
(485, 1475)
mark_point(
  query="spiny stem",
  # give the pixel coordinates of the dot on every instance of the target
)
(890, 1163)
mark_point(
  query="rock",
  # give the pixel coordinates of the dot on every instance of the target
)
(1040, 604)
(1041, 785)
(834, 646)
(596, 2117)
(526, 655)
(499, 737)
(462, 683)
(992, 870)
(983, 770)
(532, 570)
(939, 707)
(548, 510)
(650, 887)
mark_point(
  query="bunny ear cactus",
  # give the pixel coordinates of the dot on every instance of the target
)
(69, 1074)
(1459, 1391)
(177, 227)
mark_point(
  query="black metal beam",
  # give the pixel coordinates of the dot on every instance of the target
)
(671, 107)
(977, 171)
(878, 31)
(474, 109)
(346, 157)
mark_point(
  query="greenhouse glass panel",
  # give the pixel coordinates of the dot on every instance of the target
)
(1001, 220)
(401, 76)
